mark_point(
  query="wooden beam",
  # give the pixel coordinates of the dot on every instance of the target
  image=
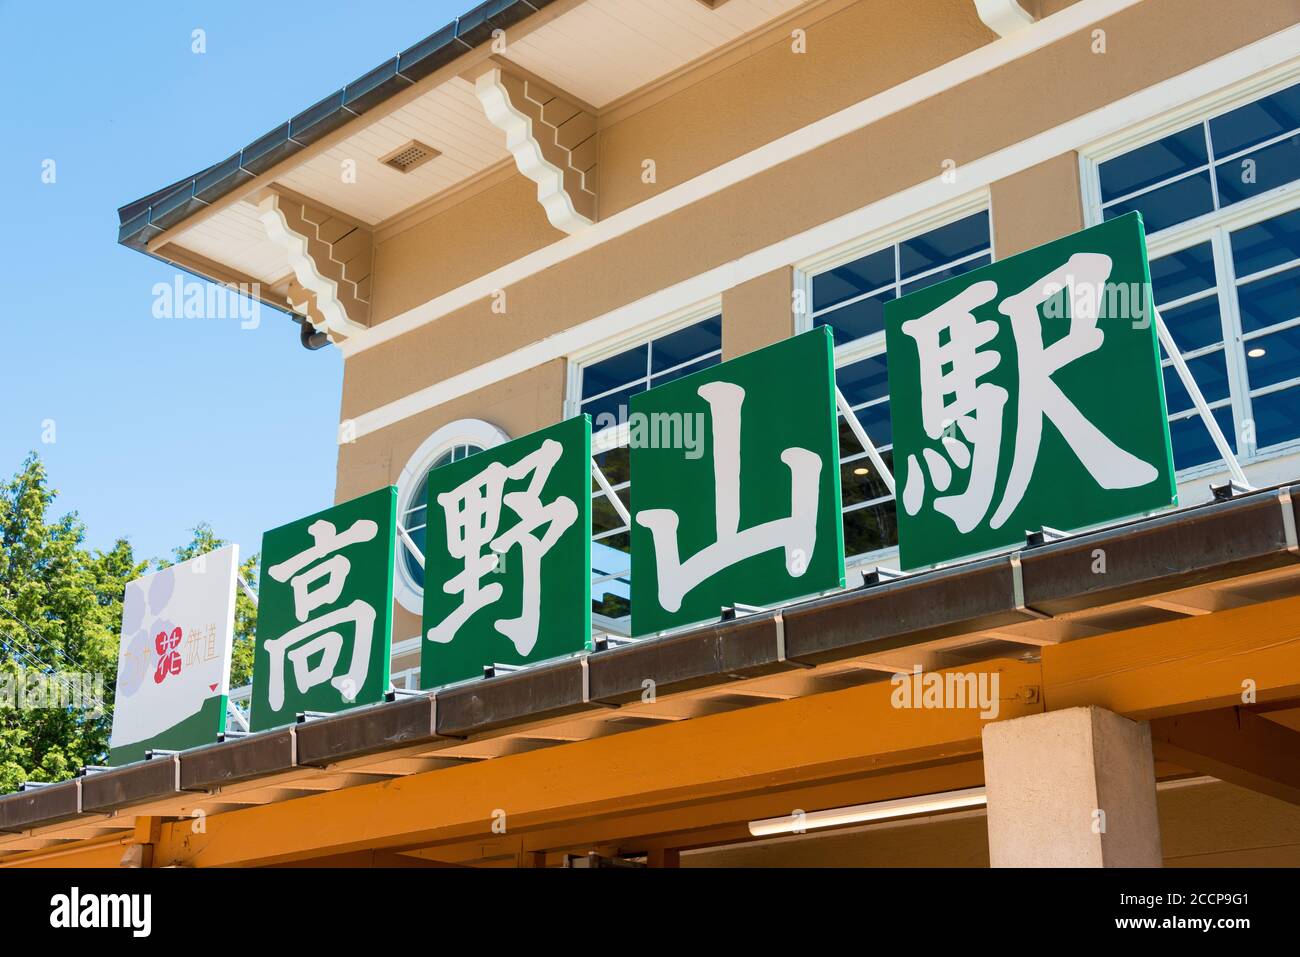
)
(1177, 667)
(665, 780)
(785, 743)
(1236, 746)
(704, 823)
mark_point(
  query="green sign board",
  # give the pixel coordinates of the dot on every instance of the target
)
(1028, 394)
(736, 486)
(507, 564)
(325, 611)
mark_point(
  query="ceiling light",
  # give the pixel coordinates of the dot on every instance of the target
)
(862, 813)
(1256, 352)
(862, 471)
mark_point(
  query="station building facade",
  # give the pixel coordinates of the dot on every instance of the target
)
(549, 207)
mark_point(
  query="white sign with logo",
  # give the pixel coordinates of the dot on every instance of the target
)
(173, 672)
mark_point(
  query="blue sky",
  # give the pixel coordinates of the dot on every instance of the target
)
(162, 423)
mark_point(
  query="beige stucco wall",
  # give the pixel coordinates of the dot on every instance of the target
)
(518, 405)
(757, 313)
(859, 50)
(1037, 205)
(1146, 43)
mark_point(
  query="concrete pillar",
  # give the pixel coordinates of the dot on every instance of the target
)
(1073, 788)
(758, 313)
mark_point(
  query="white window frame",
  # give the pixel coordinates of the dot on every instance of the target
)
(461, 432)
(1213, 227)
(615, 436)
(850, 352)
(577, 361)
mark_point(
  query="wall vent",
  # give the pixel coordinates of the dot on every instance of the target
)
(408, 156)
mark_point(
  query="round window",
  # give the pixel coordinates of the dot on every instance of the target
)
(415, 520)
(451, 443)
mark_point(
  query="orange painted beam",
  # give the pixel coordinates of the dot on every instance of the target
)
(701, 823)
(786, 743)
(1195, 664)
(696, 774)
(1236, 746)
(94, 852)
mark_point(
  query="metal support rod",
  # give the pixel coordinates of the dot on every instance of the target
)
(1193, 390)
(252, 595)
(236, 715)
(615, 502)
(861, 435)
(601, 579)
(411, 547)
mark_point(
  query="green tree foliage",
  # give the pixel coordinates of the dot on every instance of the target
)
(61, 614)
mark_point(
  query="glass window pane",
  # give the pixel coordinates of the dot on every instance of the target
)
(417, 513)
(412, 566)
(1277, 417)
(1183, 273)
(1274, 299)
(610, 556)
(870, 529)
(1273, 358)
(853, 279)
(1169, 205)
(1192, 442)
(612, 599)
(860, 482)
(1261, 171)
(615, 371)
(942, 245)
(948, 273)
(1210, 373)
(686, 344)
(612, 409)
(1255, 122)
(1267, 244)
(1147, 165)
(685, 370)
(875, 420)
(863, 318)
(1196, 324)
(614, 465)
(603, 516)
(864, 380)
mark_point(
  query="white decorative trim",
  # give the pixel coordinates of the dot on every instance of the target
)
(781, 150)
(325, 289)
(462, 432)
(976, 175)
(1004, 17)
(524, 146)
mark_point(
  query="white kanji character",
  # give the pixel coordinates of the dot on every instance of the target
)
(796, 533)
(472, 513)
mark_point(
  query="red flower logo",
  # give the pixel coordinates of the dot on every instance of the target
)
(169, 657)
